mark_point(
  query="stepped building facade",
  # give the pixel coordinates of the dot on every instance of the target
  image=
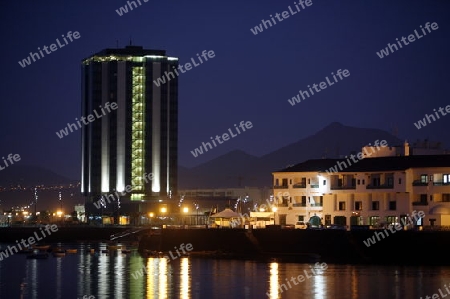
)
(382, 189)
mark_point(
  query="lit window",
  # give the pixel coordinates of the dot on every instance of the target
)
(446, 178)
(424, 178)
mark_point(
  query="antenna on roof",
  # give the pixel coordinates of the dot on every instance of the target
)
(117, 43)
(130, 40)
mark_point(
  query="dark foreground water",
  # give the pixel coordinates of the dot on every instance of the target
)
(111, 276)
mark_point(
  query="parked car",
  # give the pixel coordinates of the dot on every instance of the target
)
(300, 225)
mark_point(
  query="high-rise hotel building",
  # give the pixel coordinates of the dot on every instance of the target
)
(135, 145)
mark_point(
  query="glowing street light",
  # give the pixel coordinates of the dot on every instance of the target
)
(274, 210)
(150, 215)
(162, 215)
(183, 218)
(35, 200)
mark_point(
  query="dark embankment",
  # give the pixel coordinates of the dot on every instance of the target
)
(405, 247)
(334, 246)
(232, 241)
(295, 245)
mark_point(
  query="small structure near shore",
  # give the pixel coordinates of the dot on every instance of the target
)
(225, 218)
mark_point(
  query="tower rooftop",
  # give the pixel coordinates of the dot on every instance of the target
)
(128, 51)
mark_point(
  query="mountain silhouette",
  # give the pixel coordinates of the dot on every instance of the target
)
(29, 175)
(239, 169)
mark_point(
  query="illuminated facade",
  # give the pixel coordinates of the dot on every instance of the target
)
(140, 137)
(374, 191)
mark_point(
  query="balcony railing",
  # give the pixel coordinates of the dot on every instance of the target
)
(282, 205)
(384, 186)
(419, 183)
(317, 204)
(314, 186)
(280, 187)
(420, 203)
(299, 185)
(343, 187)
(313, 205)
(441, 183)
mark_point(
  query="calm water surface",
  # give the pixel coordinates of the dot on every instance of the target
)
(111, 276)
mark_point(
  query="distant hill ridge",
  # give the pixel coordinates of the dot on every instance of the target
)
(30, 175)
(239, 169)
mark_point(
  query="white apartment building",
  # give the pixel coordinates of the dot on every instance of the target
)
(371, 191)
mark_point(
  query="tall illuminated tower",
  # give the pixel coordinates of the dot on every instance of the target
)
(140, 136)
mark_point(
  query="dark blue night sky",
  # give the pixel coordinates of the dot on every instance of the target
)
(250, 78)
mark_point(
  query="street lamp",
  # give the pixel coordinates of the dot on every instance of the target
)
(60, 205)
(35, 200)
(59, 213)
(196, 207)
(274, 210)
(163, 211)
(150, 216)
(185, 211)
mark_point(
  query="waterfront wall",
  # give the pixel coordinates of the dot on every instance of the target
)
(331, 246)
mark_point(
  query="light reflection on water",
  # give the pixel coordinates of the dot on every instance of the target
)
(162, 278)
(185, 282)
(319, 286)
(274, 282)
(58, 278)
(119, 275)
